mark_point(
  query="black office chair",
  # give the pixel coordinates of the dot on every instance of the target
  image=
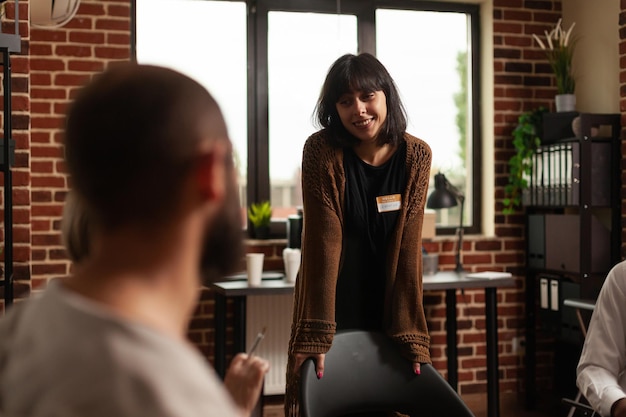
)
(364, 371)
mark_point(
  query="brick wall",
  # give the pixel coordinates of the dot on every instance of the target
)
(522, 82)
(59, 61)
(55, 62)
(51, 65)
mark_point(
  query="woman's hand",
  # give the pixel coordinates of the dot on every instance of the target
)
(319, 362)
(417, 368)
(244, 380)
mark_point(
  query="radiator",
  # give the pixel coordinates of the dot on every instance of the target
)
(273, 312)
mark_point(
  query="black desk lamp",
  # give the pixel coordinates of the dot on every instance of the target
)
(447, 195)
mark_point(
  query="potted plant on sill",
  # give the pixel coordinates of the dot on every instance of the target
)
(260, 215)
(559, 47)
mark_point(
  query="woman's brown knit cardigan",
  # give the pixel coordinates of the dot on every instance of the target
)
(323, 186)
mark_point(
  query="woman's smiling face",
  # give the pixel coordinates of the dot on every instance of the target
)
(363, 113)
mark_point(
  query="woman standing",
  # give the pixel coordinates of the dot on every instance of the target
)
(364, 182)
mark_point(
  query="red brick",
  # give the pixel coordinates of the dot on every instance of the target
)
(71, 79)
(40, 137)
(41, 49)
(118, 39)
(48, 93)
(40, 79)
(48, 182)
(86, 66)
(118, 10)
(57, 269)
(21, 178)
(92, 9)
(80, 22)
(112, 53)
(113, 24)
(46, 35)
(87, 37)
(47, 151)
(40, 225)
(73, 51)
(43, 196)
(47, 64)
(42, 167)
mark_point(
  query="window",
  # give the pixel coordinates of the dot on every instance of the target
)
(433, 71)
(297, 65)
(430, 49)
(183, 35)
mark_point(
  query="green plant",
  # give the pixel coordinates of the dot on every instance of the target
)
(260, 214)
(526, 140)
(560, 51)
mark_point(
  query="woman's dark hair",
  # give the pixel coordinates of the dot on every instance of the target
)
(361, 72)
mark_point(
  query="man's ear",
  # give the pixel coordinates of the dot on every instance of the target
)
(211, 171)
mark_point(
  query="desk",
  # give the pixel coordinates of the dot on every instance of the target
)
(446, 281)
(238, 291)
(450, 282)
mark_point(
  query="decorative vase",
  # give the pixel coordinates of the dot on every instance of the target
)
(576, 129)
(565, 102)
(261, 232)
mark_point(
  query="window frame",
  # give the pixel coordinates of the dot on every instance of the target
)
(258, 170)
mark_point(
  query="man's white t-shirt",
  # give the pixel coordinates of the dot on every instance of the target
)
(64, 355)
(601, 371)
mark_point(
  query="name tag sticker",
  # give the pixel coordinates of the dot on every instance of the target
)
(387, 203)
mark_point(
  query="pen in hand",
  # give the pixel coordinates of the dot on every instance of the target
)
(257, 341)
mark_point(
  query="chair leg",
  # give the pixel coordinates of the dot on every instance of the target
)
(586, 410)
(576, 404)
(572, 409)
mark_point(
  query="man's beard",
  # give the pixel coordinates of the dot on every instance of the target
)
(223, 245)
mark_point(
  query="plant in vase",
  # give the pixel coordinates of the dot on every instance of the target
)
(559, 47)
(260, 215)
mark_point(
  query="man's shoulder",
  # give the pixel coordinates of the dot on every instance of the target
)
(100, 359)
(617, 276)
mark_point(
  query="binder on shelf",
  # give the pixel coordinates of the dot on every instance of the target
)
(554, 295)
(563, 174)
(550, 302)
(544, 291)
(551, 197)
(567, 175)
(555, 178)
(537, 176)
(575, 177)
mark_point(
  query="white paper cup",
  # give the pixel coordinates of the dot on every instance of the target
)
(254, 263)
(291, 258)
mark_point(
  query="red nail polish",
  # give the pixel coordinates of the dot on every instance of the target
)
(320, 375)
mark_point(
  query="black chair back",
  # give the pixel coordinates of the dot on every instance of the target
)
(364, 371)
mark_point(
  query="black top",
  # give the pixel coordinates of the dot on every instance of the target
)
(361, 283)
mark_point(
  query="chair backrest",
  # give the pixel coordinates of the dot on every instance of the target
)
(364, 371)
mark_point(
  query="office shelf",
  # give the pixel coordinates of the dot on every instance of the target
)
(572, 212)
